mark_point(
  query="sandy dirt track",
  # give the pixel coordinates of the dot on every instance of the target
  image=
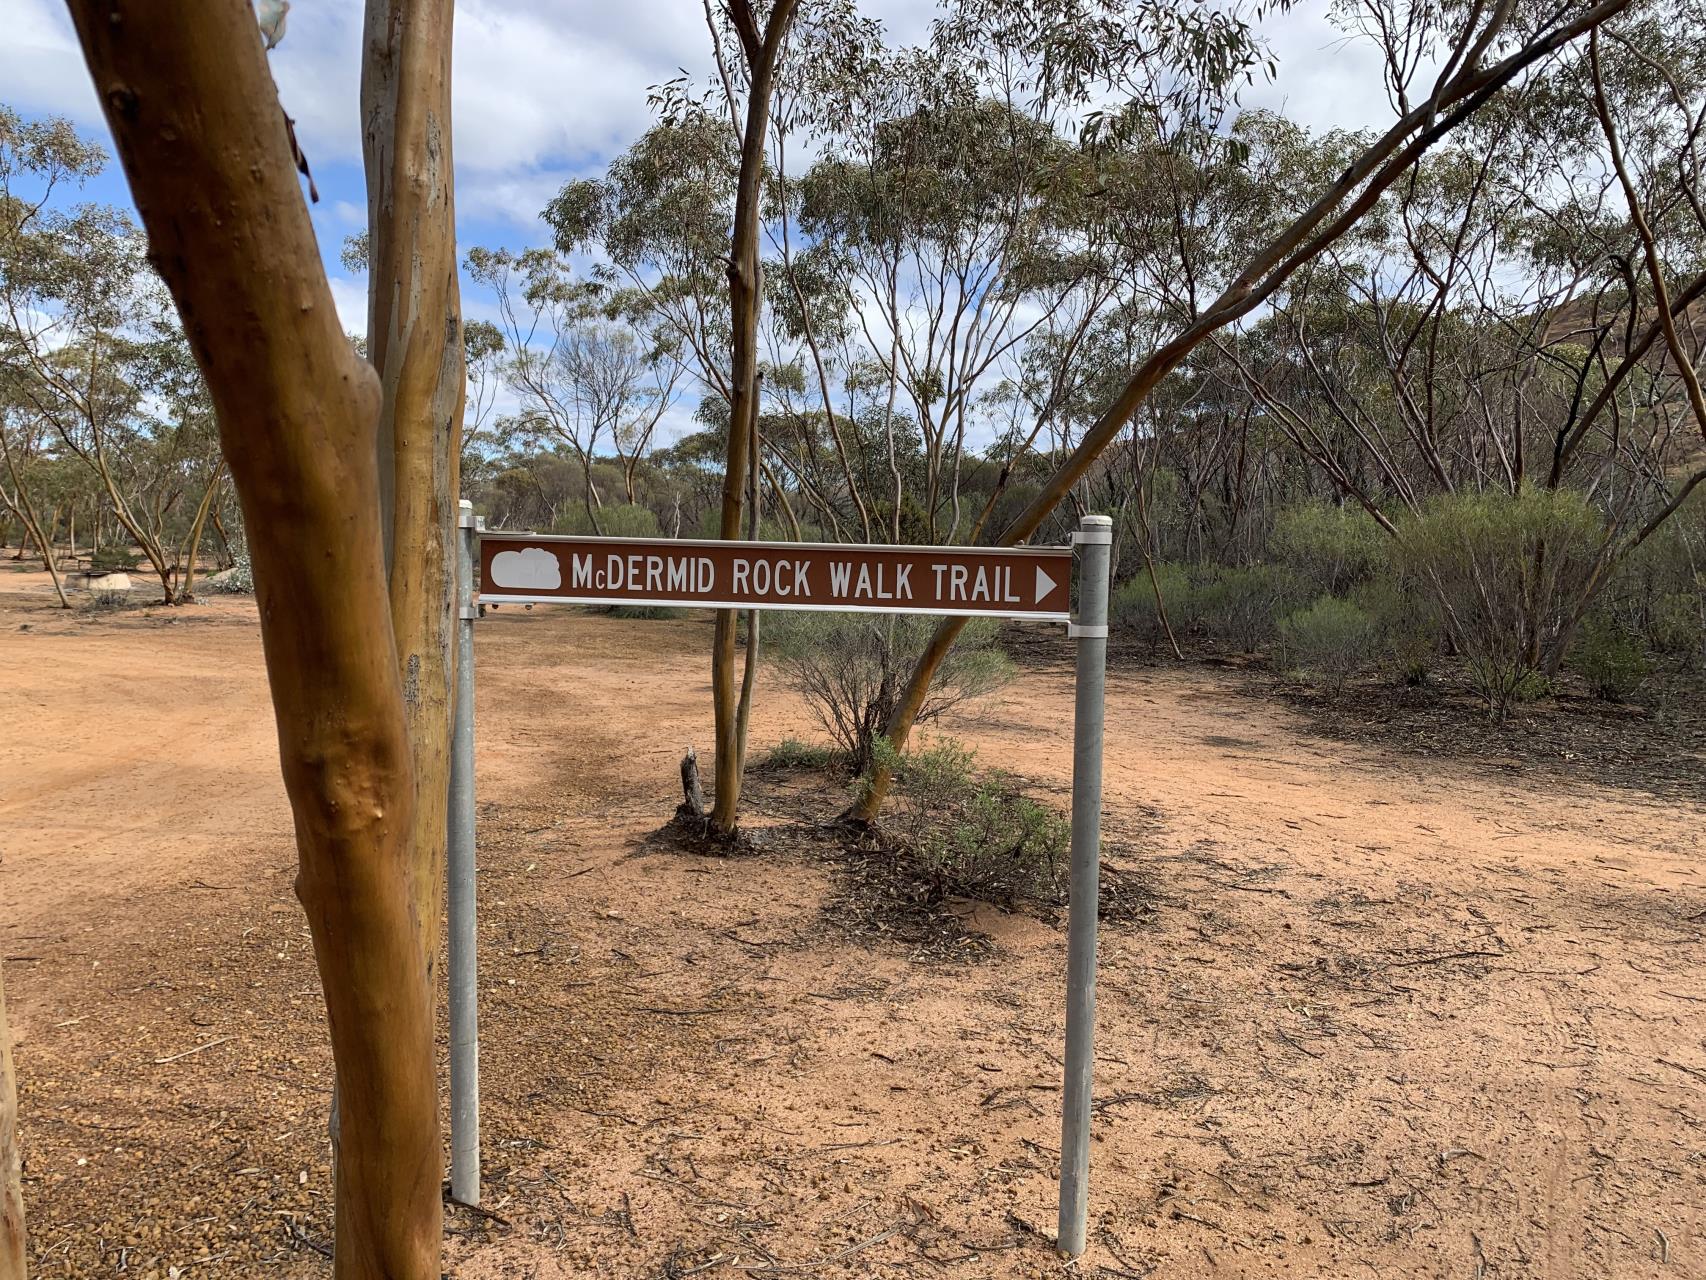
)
(1387, 1016)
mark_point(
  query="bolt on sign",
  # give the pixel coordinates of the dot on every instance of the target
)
(1002, 582)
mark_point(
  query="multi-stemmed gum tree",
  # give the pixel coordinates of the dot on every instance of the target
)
(347, 479)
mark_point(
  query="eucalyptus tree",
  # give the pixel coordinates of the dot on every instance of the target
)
(22, 441)
(586, 377)
(483, 351)
(942, 215)
(69, 280)
(1503, 322)
(348, 533)
(39, 161)
(748, 67)
(659, 223)
(1442, 65)
(94, 363)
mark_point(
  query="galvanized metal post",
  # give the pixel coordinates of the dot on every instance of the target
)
(1094, 539)
(464, 981)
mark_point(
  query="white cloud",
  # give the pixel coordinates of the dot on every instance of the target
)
(530, 569)
(556, 83)
(318, 69)
(41, 66)
(545, 89)
(349, 214)
(350, 296)
(1327, 79)
(515, 199)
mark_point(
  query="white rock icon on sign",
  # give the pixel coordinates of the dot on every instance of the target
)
(530, 569)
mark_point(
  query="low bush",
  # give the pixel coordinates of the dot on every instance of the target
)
(1406, 627)
(1241, 604)
(791, 755)
(238, 580)
(1612, 661)
(852, 669)
(1507, 575)
(1504, 679)
(1676, 626)
(114, 560)
(1330, 549)
(973, 835)
(617, 520)
(1329, 642)
(1658, 593)
(1132, 606)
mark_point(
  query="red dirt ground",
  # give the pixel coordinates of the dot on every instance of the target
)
(1389, 1016)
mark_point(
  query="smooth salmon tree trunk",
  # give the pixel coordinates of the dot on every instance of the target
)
(414, 339)
(12, 1265)
(761, 48)
(199, 128)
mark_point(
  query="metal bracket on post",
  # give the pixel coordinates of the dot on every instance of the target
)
(1090, 628)
(464, 973)
(466, 519)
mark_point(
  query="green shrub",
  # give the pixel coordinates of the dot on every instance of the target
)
(238, 580)
(852, 669)
(1327, 548)
(974, 836)
(617, 520)
(1658, 592)
(1132, 606)
(642, 612)
(1610, 659)
(1406, 626)
(114, 560)
(1507, 575)
(791, 755)
(1676, 625)
(1241, 604)
(1504, 680)
(1330, 641)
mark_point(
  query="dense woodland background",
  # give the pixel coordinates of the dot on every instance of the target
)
(1463, 432)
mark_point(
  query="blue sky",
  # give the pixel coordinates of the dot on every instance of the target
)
(546, 90)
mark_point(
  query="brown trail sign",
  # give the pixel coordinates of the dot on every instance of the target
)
(1005, 582)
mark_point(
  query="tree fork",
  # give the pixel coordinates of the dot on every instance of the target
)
(203, 140)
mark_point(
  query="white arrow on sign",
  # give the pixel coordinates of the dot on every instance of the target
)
(1045, 584)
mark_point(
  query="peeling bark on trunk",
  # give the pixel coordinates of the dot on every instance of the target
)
(12, 1256)
(414, 336)
(203, 139)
